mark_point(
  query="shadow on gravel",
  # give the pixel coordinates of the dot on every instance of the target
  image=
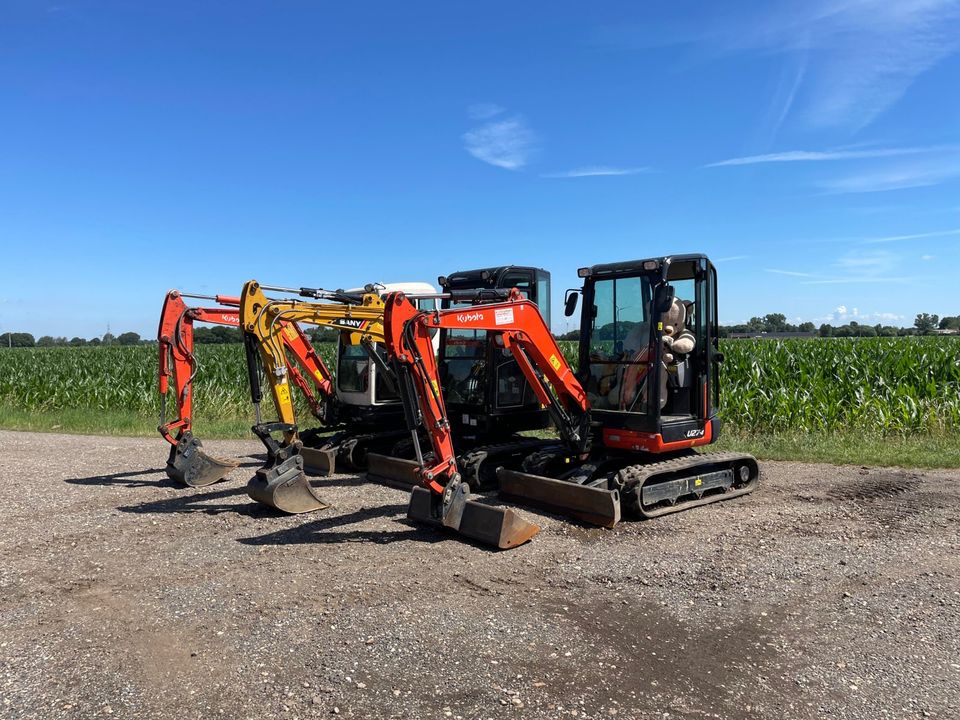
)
(203, 502)
(319, 531)
(130, 479)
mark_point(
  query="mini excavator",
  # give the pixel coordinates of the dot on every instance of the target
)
(366, 412)
(188, 463)
(628, 421)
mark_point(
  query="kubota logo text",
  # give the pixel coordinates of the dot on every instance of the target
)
(470, 317)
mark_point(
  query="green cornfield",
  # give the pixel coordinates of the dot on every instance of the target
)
(880, 386)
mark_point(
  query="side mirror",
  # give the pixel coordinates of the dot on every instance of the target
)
(570, 302)
(664, 298)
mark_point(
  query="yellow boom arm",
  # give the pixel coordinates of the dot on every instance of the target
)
(264, 319)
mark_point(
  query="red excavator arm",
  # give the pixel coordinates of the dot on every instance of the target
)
(518, 323)
(523, 332)
(175, 342)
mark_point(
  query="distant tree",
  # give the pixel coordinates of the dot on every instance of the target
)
(77, 341)
(94, 341)
(806, 327)
(108, 339)
(17, 340)
(575, 334)
(889, 331)
(950, 322)
(227, 334)
(844, 331)
(866, 331)
(128, 338)
(756, 324)
(775, 322)
(925, 323)
(826, 330)
(46, 341)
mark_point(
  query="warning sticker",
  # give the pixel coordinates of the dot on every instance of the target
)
(291, 332)
(503, 316)
(283, 393)
(555, 362)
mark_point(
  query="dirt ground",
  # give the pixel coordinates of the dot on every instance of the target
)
(828, 592)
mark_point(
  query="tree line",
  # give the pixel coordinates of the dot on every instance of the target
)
(219, 335)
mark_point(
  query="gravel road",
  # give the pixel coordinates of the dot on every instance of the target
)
(828, 592)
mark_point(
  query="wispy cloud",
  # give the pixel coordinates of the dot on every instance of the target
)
(898, 177)
(484, 111)
(731, 258)
(597, 171)
(506, 143)
(914, 236)
(792, 273)
(860, 56)
(827, 155)
(854, 267)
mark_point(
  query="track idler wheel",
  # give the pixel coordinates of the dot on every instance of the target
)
(190, 465)
(497, 526)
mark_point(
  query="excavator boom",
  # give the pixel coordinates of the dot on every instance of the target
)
(269, 325)
(188, 463)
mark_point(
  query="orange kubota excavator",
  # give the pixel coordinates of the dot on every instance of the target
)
(188, 463)
(628, 420)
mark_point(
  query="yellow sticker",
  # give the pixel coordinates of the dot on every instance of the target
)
(698, 482)
(436, 386)
(283, 393)
(659, 326)
(555, 362)
(291, 332)
(319, 375)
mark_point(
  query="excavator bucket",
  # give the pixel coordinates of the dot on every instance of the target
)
(284, 486)
(500, 527)
(190, 465)
(319, 461)
(593, 505)
(396, 472)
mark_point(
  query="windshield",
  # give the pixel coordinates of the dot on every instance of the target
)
(620, 350)
(353, 374)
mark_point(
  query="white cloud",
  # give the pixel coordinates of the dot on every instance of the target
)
(597, 171)
(928, 257)
(858, 57)
(731, 258)
(484, 111)
(503, 143)
(792, 273)
(914, 236)
(897, 177)
(825, 155)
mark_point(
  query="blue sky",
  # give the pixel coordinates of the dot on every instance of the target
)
(811, 148)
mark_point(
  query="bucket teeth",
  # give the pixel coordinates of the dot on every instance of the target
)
(499, 527)
(190, 465)
(284, 486)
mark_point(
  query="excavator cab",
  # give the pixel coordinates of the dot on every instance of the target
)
(643, 392)
(487, 395)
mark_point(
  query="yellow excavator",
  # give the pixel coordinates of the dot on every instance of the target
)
(375, 424)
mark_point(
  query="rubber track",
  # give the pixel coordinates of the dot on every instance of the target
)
(632, 478)
(475, 469)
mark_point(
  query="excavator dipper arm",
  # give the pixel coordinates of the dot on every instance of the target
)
(187, 462)
(270, 327)
(442, 497)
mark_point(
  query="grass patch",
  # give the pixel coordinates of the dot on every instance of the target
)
(113, 422)
(939, 451)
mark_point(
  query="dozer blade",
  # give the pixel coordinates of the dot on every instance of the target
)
(500, 527)
(284, 486)
(396, 472)
(319, 461)
(190, 465)
(589, 504)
